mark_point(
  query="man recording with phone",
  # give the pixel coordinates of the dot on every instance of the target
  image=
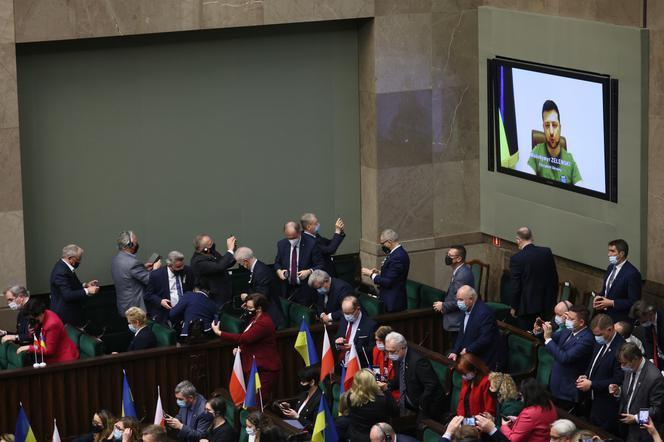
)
(210, 266)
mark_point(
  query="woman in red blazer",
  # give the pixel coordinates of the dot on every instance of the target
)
(59, 348)
(475, 397)
(257, 340)
(382, 365)
(534, 422)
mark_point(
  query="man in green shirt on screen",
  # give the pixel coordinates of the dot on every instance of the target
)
(549, 160)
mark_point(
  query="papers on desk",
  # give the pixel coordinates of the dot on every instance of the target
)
(294, 423)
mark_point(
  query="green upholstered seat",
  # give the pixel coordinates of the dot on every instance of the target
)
(544, 365)
(244, 437)
(430, 435)
(3, 356)
(285, 308)
(15, 360)
(372, 305)
(90, 346)
(297, 312)
(500, 310)
(165, 336)
(443, 372)
(429, 295)
(73, 333)
(413, 289)
(521, 355)
(231, 323)
(456, 390)
(335, 399)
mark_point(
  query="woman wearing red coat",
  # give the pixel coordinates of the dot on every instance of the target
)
(475, 397)
(59, 348)
(382, 365)
(257, 340)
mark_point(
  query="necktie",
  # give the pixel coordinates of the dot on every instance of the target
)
(402, 388)
(349, 332)
(597, 358)
(611, 278)
(178, 286)
(630, 391)
(655, 358)
(293, 266)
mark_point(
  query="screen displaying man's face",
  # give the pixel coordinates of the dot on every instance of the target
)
(551, 128)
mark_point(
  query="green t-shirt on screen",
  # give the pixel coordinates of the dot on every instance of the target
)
(562, 169)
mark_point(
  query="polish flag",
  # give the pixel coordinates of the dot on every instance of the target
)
(236, 385)
(159, 411)
(56, 433)
(352, 367)
(327, 361)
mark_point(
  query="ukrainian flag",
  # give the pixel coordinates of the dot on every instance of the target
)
(324, 430)
(304, 345)
(127, 399)
(23, 431)
(253, 386)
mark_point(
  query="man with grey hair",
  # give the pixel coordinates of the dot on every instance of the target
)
(192, 422)
(211, 266)
(328, 247)
(68, 294)
(166, 285)
(415, 379)
(16, 297)
(479, 333)
(330, 293)
(562, 430)
(393, 273)
(130, 276)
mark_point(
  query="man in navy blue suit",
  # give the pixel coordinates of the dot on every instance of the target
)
(604, 370)
(571, 349)
(194, 306)
(166, 285)
(328, 247)
(211, 267)
(393, 273)
(357, 327)
(331, 291)
(479, 332)
(651, 329)
(622, 284)
(68, 293)
(297, 257)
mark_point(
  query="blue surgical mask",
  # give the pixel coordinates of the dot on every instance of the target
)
(600, 340)
(349, 318)
(462, 306)
(560, 320)
(569, 324)
(117, 434)
(181, 403)
(627, 370)
(321, 291)
(468, 376)
(317, 228)
(393, 357)
(250, 431)
(13, 305)
(613, 260)
(132, 328)
(381, 347)
(643, 324)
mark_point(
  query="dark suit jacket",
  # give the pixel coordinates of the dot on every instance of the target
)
(143, 340)
(364, 337)
(363, 417)
(213, 270)
(392, 280)
(649, 394)
(193, 306)
(159, 289)
(625, 291)
(328, 247)
(22, 328)
(405, 438)
(571, 356)
(310, 257)
(424, 391)
(310, 411)
(604, 409)
(481, 334)
(67, 294)
(534, 280)
(453, 317)
(199, 421)
(648, 339)
(338, 290)
(263, 280)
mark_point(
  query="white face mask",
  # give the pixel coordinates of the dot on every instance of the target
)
(250, 431)
(294, 242)
(13, 305)
(569, 324)
(560, 320)
(349, 318)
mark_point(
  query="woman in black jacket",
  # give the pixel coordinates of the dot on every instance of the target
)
(305, 407)
(367, 405)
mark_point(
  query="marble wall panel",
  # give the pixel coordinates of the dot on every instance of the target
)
(456, 199)
(368, 152)
(230, 13)
(8, 87)
(369, 184)
(392, 7)
(6, 21)
(12, 252)
(11, 198)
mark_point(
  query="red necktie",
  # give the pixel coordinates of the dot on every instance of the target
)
(655, 359)
(349, 331)
(293, 266)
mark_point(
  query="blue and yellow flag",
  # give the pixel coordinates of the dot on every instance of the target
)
(254, 384)
(23, 431)
(324, 430)
(304, 345)
(127, 399)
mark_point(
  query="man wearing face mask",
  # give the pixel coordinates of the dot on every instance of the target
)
(479, 331)
(166, 285)
(17, 296)
(355, 327)
(571, 350)
(130, 276)
(327, 247)
(194, 306)
(191, 422)
(604, 370)
(68, 294)
(297, 257)
(622, 284)
(651, 331)
(330, 293)
(393, 274)
(642, 389)
(211, 267)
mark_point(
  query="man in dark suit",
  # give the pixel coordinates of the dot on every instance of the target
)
(17, 296)
(297, 257)
(393, 273)
(262, 280)
(461, 275)
(419, 388)
(621, 287)
(67, 292)
(604, 370)
(642, 388)
(383, 432)
(534, 280)
(211, 267)
(331, 291)
(194, 306)
(192, 422)
(571, 349)
(479, 331)
(166, 285)
(651, 325)
(357, 327)
(328, 247)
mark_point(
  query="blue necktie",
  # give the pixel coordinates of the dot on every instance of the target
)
(178, 286)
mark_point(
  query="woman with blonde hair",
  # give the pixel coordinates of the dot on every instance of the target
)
(503, 388)
(137, 322)
(367, 405)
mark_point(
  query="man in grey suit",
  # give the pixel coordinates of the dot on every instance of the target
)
(130, 276)
(461, 275)
(642, 389)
